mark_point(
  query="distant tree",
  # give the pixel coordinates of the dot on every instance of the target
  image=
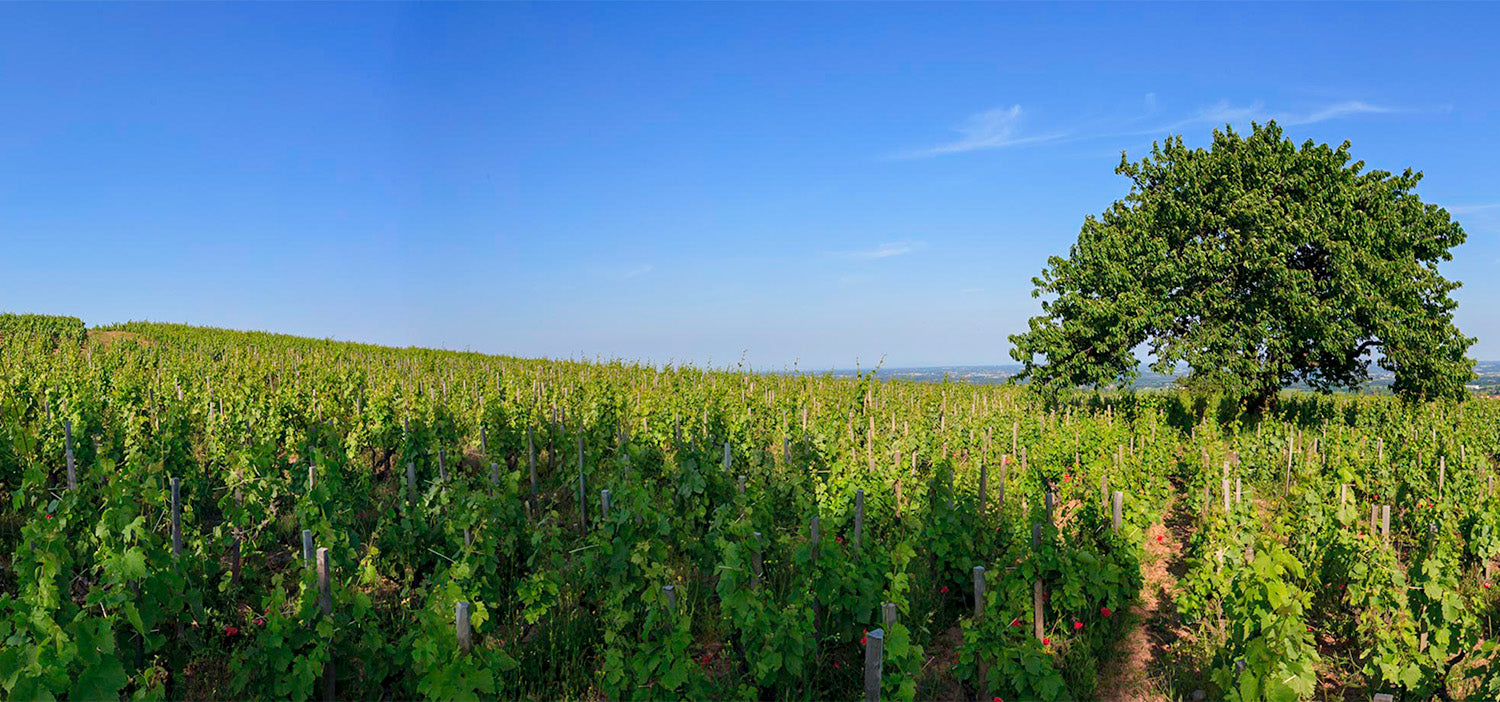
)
(1257, 264)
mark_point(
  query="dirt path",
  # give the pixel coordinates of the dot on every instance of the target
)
(1141, 667)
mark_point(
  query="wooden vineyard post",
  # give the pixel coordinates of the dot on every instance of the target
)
(888, 615)
(1000, 495)
(1119, 508)
(1385, 522)
(583, 505)
(740, 486)
(307, 548)
(756, 571)
(1037, 613)
(859, 517)
(874, 655)
(984, 667)
(978, 593)
(984, 486)
(312, 476)
(1238, 490)
(442, 466)
(176, 517)
(411, 489)
(728, 459)
(1290, 454)
(1442, 474)
(461, 628)
(1224, 484)
(670, 593)
(68, 453)
(604, 504)
(1051, 506)
(325, 604)
(1374, 520)
(531, 466)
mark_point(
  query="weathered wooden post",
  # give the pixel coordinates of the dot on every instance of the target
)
(176, 517)
(1037, 612)
(978, 572)
(1225, 485)
(442, 465)
(68, 453)
(1000, 494)
(312, 476)
(531, 465)
(307, 548)
(461, 627)
(1119, 511)
(815, 538)
(1385, 521)
(411, 489)
(888, 615)
(325, 604)
(728, 459)
(1442, 474)
(756, 571)
(1051, 506)
(604, 504)
(874, 655)
(670, 592)
(859, 517)
(984, 486)
(583, 505)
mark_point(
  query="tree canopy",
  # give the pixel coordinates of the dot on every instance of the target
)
(1258, 264)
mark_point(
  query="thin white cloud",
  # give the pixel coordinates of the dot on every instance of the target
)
(636, 272)
(887, 250)
(1470, 209)
(1336, 111)
(991, 129)
(1001, 127)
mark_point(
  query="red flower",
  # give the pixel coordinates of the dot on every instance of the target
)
(1309, 628)
(1486, 586)
(999, 699)
(864, 640)
(705, 658)
(1105, 611)
(839, 539)
(1015, 622)
(1046, 641)
(1158, 538)
(49, 516)
(260, 621)
(943, 591)
(838, 666)
(1077, 626)
(231, 631)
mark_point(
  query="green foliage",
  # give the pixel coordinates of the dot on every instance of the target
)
(1258, 264)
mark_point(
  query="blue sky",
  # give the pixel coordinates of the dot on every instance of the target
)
(791, 184)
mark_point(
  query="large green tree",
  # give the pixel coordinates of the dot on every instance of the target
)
(1257, 264)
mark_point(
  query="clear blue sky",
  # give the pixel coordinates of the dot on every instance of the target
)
(800, 184)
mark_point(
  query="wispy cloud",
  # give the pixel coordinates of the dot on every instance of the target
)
(636, 272)
(886, 250)
(991, 129)
(1471, 209)
(1002, 127)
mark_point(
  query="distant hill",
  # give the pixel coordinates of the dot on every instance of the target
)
(1487, 381)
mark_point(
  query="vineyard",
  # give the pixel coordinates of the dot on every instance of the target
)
(194, 513)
